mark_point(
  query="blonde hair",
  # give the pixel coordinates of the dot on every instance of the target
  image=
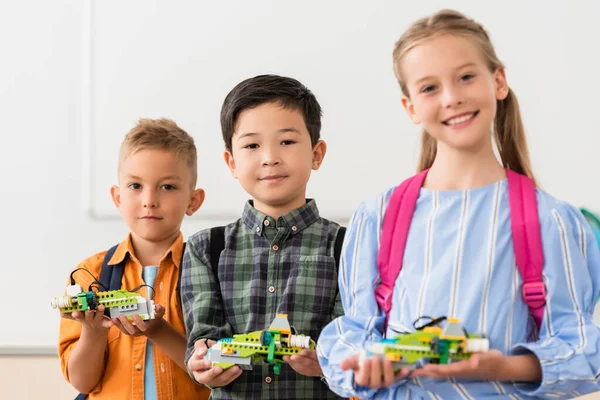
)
(509, 133)
(161, 134)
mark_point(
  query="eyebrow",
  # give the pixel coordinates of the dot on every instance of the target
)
(469, 64)
(164, 178)
(283, 130)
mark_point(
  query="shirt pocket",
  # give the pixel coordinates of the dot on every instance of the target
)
(315, 286)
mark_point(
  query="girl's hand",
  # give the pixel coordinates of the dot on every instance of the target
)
(373, 372)
(490, 365)
(482, 366)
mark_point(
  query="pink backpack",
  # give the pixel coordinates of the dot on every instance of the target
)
(525, 226)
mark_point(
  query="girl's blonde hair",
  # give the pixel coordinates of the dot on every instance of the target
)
(509, 133)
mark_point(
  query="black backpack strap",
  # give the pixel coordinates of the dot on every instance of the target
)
(337, 249)
(217, 244)
(110, 277)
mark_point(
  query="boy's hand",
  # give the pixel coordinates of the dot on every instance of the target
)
(373, 372)
(305, 363)
(204, 372)
(93, 320)
(139, 327)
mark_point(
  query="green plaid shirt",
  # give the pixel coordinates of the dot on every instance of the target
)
(267, 267)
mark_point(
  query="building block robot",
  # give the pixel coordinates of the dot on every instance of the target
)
(269, 345)
(431, 344)
(117, 302)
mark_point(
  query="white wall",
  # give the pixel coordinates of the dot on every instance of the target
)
(74, 78)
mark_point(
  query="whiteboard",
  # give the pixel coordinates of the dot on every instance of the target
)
(180, 59)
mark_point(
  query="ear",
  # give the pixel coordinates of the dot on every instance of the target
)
(410, 110)
(115, 193)
(318, 153)
(196, 201)
(501, 84)
(228, 156)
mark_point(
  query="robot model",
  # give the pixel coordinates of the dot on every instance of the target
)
(428, 344)
(269, 345)
(116, 302)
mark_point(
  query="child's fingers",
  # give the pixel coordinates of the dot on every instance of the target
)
(351, 362)
(301, 361)
(99, 314)
(198, 364)
(388, 372)
(107, 323)
(202, 345)
(303, 365)
(120, 326)
(375, 372)
(129, 328)
(312, 354)
(362, 373)
(139, 323)
(159, 311)
(402, 374)
(68, 315)
(227, 376)
(209, 375)
(90, 316)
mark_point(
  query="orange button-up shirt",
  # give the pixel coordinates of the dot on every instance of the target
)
(123, 369)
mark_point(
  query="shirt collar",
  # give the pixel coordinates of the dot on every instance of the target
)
(296, 220)
(125, 249)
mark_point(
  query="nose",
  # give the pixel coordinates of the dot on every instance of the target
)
(150, 199)
(270, 156)
(452, 97)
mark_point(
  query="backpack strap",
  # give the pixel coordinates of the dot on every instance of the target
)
(525, 227)
(337, 249)
(111, 275)
(217, 245)
(394, 233)
(527, 242)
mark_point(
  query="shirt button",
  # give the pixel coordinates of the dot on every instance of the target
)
(271, 289)
(138, 367)
(275, 247)
(162, 367)
(294, 228)
(160, 286)
(268, 379)
(266, 222)
(258, 229)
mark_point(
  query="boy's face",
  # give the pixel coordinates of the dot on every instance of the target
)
(272, 157)
(154, 193)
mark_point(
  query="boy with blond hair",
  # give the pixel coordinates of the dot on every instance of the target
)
(118, 358)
